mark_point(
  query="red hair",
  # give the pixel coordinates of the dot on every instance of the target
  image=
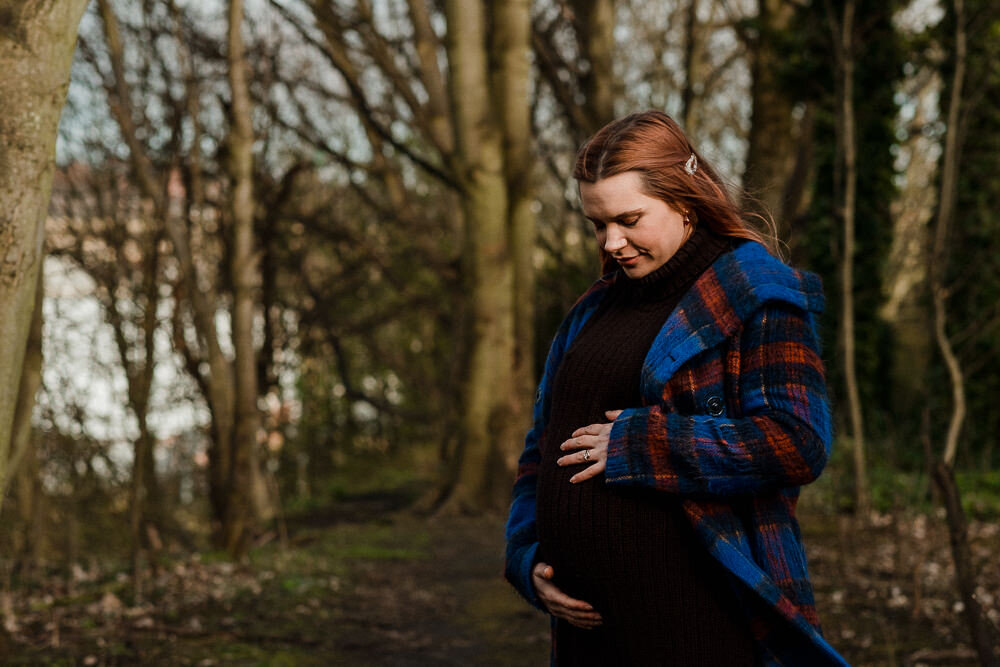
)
(652, 144)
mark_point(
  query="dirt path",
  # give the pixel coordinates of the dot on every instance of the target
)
(884, 591)
(368, 586)
(448, 608)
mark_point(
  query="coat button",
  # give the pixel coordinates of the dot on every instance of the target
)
(715, 406)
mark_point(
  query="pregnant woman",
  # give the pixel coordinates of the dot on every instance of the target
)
(682, 406)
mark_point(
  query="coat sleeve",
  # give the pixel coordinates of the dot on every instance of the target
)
(520, 533)
(781, 438)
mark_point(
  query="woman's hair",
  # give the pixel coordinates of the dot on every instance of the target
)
(652, 144)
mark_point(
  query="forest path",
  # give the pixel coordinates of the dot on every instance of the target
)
(367, 584)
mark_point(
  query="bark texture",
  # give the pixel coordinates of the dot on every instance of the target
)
(772, 153)
(36, 50)
(596, 24)
(242, 484)
(481, 473)
(844, 28)
(31, 380)
(511, 48)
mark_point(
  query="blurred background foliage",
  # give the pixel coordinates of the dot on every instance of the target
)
(363, 322)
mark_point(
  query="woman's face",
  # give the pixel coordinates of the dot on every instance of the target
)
(640, 232)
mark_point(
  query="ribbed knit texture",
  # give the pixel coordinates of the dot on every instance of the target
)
(631, 554)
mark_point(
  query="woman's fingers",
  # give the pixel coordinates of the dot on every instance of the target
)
(598, 429)
(588, 472)
(593, 429)
(578, 442)
(583, 623)
(560, 605)
(570, 605)
(594, 453)
(583, 455)
(575, 616)
(585, 441)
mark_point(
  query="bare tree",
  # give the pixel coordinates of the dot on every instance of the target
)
(36, 49)
(983, 635)
(229, 386)
(582, 80)
(843, 29)
(98, 226)
(245, 277)
(470, 137)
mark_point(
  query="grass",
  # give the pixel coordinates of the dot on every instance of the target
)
(893, 490)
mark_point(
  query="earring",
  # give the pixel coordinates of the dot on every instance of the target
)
(687, 218)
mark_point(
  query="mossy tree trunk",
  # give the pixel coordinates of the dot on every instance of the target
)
(512, 81)
(488, 386)
(596, 23)
(243, 503)
(37, 40)
(774, 158)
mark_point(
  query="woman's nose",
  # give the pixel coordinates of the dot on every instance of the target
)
(615, 240)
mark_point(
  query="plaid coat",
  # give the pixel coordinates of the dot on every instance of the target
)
(734, 414)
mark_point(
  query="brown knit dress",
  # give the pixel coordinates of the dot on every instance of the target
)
(631, 553)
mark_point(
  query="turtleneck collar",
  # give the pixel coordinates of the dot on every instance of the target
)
(690, 261)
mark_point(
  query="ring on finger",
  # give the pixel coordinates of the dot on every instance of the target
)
(586, 455)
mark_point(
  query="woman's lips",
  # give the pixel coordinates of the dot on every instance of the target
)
(627, 261)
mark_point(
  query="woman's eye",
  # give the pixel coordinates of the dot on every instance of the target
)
(630, 222)
(598, 226)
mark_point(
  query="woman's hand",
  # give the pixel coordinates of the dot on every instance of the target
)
(591, 443)
(575, 612)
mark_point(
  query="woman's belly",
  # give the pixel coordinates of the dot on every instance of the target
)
(595, 536)
(634, 556)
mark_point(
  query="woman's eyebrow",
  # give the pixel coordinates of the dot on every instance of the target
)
(620, 216)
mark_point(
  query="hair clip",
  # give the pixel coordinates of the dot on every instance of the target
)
(691, 165)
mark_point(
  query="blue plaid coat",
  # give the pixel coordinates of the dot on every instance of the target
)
(734, 413)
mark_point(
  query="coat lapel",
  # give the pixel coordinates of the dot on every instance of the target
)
(718, 304)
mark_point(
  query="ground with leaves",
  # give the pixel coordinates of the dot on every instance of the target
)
(367, 583)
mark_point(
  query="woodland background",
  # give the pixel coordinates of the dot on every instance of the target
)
(277, 280)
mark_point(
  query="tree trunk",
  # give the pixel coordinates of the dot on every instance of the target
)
(137, 501)
(483, 477)
(220, 390)
(31, 380)
(596, 24)
(939, 260)
(844, 48)
(31, 528)
(36, 51)
(242, 507)
(690, 68)
(771, 155)
(167, 206)
(907, 309)
(983, 635)
(144, 489)
(512, 49)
